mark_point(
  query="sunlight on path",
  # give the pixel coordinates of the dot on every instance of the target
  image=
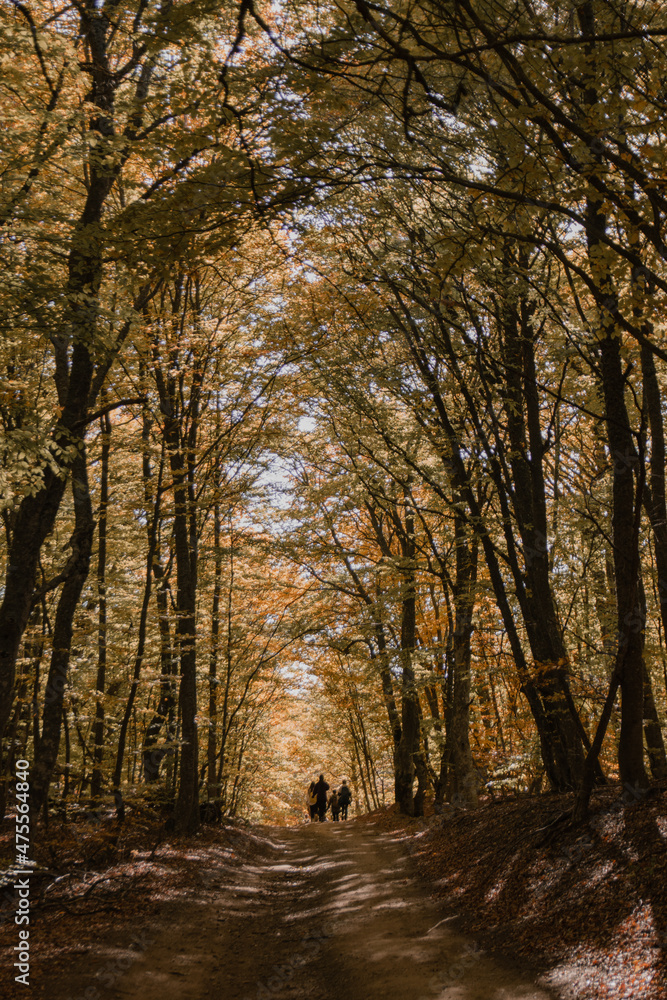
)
(388, 938)
(332, 912)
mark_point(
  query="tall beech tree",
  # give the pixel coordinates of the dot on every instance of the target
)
(112, 104)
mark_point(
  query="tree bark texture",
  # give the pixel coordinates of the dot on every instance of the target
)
(46, 750)
(462, 783)
(409, 744)
(102, 521)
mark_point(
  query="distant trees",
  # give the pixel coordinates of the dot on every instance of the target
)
(508, 180)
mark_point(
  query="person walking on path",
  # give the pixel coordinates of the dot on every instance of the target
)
(320, 791)
(344, 799)
(312, 800)
(334, 806)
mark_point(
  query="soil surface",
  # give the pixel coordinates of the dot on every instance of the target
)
(321, 911)
(585, 903)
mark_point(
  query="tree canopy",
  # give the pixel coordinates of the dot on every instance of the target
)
(332, 404)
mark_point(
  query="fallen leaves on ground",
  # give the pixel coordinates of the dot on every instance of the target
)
(586, 905)
(96, 878)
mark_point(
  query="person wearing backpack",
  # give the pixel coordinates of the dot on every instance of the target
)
(312, 800)
(320, 791)
(334, 805)
(344, 799)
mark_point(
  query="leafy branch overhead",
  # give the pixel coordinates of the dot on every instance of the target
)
(332, 418)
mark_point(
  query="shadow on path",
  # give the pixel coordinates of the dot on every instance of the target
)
(331, 912)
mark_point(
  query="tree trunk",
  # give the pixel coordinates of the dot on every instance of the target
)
(655, 504)
(655, 746)
(98, 728)
(654, 491)
(151, 756)
(409, 743)
(357, 754)
(529, 504)
(625, 536)
(46, 751)
(213, 785)
(627, 467)
(462, 784)
(141, 643)
(186, 812)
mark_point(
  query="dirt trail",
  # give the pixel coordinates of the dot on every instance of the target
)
(331, 912)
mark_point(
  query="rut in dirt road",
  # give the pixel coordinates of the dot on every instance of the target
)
(331, 912)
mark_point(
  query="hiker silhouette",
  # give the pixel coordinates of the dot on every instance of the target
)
(344, 799)
(320, 791)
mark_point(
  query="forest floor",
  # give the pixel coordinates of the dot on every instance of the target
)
(484, 905)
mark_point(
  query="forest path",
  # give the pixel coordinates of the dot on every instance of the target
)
(332, 911)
